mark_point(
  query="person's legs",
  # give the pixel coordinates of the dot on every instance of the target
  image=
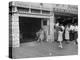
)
(76, 36)
(60, 44)
(71, 36)
(67, 41)
(76, 41)
(39, 39)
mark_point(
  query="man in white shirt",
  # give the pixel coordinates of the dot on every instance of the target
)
(57, 24)
(71, 27)
(62, 27)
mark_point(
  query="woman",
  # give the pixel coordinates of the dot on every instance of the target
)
(40, 35)
(56, 29)
(67, 34)
(60, 37)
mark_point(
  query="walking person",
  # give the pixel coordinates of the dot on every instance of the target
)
(75, 34)
(57, 28)
(60, 37)
(71, 32)
(67, 37)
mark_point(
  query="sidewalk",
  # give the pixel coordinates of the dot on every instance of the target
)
(44, 49)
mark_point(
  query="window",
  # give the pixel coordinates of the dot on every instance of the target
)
(45, 22)
(35, 11)
(45, 12)
(21, 9)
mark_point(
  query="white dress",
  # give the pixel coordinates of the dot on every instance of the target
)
(67, 33)
(41, 35)
(60, 33)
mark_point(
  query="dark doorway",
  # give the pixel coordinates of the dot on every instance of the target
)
(28, 28)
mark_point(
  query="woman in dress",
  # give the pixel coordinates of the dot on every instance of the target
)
(60, 37)
(40, 35)
(67, 38)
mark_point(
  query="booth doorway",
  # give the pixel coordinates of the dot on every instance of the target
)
(28, 27)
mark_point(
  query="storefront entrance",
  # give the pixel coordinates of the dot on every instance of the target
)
(28, 27)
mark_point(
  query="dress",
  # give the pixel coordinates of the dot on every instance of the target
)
(60, 35)
(67, 33)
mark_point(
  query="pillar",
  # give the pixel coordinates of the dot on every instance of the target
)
(48, 29)
(51, 28)
(10, 30)
(15, 30)
(42, 23)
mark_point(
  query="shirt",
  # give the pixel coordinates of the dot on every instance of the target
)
(62, 27)
(71, 27)
(75, 28)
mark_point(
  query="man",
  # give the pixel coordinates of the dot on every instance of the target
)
(71, 32)
(75, 33)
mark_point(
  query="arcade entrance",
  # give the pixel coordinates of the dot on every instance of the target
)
(28, 27)
(25, 27)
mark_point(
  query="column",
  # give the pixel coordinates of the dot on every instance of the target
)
(48, 24)
(48, 29)
(10, 30)
(52, 28)
(15, 30)
(42, 23)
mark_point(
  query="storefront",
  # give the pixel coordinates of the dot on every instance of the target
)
(25, 21)
(27, 18)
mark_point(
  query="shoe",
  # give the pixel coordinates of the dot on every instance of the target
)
(61, 47)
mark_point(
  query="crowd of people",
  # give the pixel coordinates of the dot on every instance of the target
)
(67, 33)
